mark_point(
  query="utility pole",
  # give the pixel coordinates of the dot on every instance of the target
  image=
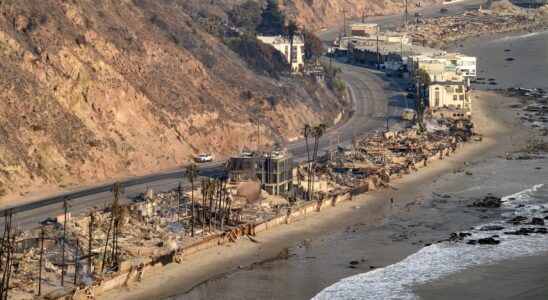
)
(66, 205)
(41, 262)
(258, 137)
(405, 11)
(363, 17)
(90, 230)
(378, 54)
(76, 262)
(344, 22)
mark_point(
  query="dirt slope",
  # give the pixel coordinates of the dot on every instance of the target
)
(95, 90)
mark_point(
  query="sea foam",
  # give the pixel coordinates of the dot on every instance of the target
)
(439, 260)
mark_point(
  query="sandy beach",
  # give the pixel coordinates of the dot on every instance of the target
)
(315, 251)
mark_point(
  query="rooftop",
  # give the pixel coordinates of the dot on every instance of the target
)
(397, 48)
(274, 154)
(277, 40)
(364, 24)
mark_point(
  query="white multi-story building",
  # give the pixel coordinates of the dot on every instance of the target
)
(452, 62)
(282, 44)
(448, 89)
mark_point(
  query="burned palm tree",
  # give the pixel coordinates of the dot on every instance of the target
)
(212, 201)
(317, 132)
(289, 32)
(42, 233)
(90, 237)
(192, 173)
(118, 213)
(76, 259)
(117, 190)
(7, 249)
(179, 196)
(222, 192)
(307, 131)
(66, 206)
(206, 189)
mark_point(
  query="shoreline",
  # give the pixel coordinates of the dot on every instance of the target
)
(372, 207)
(489, 281)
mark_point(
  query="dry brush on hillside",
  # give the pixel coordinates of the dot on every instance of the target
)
(91, 91)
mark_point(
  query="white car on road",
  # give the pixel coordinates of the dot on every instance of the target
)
(203, 158)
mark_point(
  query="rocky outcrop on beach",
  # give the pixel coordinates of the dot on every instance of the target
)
(488, 201)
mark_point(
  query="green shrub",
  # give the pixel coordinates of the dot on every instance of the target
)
(259, 56)
(246, 15)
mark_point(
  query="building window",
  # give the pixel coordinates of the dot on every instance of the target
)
(455, 98)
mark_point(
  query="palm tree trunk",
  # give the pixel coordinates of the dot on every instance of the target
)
(76, 262)
(89, 243)
(64, 242)
(308, 177)
(106, 245)
(192, 209)
(314, 157)
(290, 54)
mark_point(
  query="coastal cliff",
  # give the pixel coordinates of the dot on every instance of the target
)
(96, 91)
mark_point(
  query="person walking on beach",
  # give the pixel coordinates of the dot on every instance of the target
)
(391, 202)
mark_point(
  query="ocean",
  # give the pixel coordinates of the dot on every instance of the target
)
(519, 60)
(440, 260)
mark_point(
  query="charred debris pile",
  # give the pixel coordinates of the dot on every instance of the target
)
(71, 255)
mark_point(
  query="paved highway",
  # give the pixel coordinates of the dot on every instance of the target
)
(373, 96)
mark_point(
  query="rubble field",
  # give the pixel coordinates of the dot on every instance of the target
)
(114, 246)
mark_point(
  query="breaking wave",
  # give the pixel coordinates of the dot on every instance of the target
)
(439, 260)
(515, 37)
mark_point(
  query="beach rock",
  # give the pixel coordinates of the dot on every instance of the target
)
(488, 201)
(352, 267)
(488, 241)
(354, 262)
(491, 228)
(526, 231)
(517, 220)
(537, 221)
(471, 242)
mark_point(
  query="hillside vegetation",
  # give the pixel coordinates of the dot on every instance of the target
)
(91, 91)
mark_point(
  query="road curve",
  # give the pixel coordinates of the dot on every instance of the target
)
(374, 99)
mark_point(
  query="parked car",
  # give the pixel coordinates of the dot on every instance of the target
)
(203, 158)
(443, 10)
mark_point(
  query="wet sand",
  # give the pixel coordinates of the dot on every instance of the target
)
(319, 248)
(521, 278)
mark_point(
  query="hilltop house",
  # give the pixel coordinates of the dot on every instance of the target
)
(282, 44)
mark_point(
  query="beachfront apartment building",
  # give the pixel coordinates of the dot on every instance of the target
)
(452, 62)
(282, 44)
(448, 89)
(463, 64)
